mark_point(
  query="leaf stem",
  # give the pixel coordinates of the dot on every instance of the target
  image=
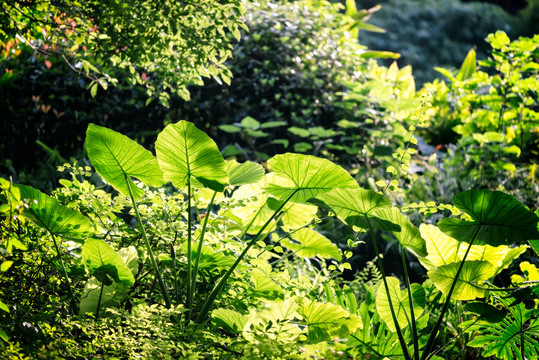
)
(69, 287)
(148, 247)
(411, 301)
(189, 253)
(220, 285)
(391, 308)
(430, 342)
(201, 240)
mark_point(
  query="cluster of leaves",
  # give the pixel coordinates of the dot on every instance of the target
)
(490, 110)
(430, 33)
(187, 264)
(163, 47)
(290, 73)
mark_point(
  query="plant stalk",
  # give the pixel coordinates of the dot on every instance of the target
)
(201, 240)
(430, 342)
(189, 253)
(393, 315)
(148, 247)
(69, 287)
(220, 285)
(411, 301)
(99, 302)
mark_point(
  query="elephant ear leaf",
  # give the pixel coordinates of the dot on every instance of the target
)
(356, 207)
(303, 177)
(117, 158)
(47, 212)
(497, 219)
(188, 156)
(105, 264)
(244, 173)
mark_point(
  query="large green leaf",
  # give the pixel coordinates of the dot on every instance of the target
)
(117, 158)
(311, 243)
(356, 206)
(187, 154)
(105, 264)
(444, 250)
(231, 320)
(112, 294)
(327, 321)
(474, 273)
(497, 219)
(47, 212)
(264, 286)
(408, 236)
(305, 176)
(244, 173)
(400, 301)
(274, 322)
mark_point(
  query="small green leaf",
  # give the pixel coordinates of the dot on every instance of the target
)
(231, 320)
(6, 265)
(250, 123)
(468, 66)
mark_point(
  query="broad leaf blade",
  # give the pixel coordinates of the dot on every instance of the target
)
(244, 173)
(311, 243)
(409, 236)
(400, 301)
(473, 272)
(356, 207)
(305, 176)
(231, 320)
(498, 219)
(327, 321)
(187, 155)
(468, 66)
(47, 212)
(105, 264)
(117, 158)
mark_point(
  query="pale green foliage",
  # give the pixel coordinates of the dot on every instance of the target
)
(164, 46)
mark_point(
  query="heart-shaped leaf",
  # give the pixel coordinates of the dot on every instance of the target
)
(400, 302)
(304, 176)
(311, 243)
(187, 155)
(105, 264)
(355, 207)
(47, 212)
(244, 173)
(117, 158)
(497, 219)
(231, 320)
(474, 273)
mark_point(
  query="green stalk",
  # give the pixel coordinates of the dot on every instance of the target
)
(397, 327)
(430, 342)
(201, 240)
(148, 247)
(220, 285)
(99, 302)
(411, 300)
(69, 288)
(189, 253)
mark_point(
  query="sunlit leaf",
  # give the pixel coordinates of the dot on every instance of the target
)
(105, 264)
(117, 158)
(304, 177)
(400, 301)
(310, 243)
(468, 66)
(265, 286)
(187, 154)
(245, 173)
(473, 275)
(497, 219)
(326, 322)
(47, 212)
(231, 320)
(356, 206)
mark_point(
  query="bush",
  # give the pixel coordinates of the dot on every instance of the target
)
(429, 33)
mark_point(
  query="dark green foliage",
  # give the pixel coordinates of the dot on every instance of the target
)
(291, 66)
(429, 33)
